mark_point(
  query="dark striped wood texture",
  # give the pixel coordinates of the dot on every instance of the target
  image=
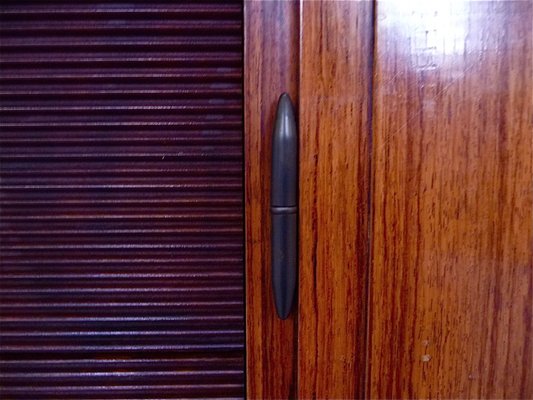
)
(121, 200)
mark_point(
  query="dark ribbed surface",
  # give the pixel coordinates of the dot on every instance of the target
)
(121, 200)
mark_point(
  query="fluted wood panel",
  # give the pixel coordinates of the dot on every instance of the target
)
(121, 200)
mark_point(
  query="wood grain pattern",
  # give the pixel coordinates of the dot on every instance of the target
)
(335, 76)
(451, 287)
(271, 67)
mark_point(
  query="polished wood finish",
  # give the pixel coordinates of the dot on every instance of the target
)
(452, 256)
(335, 77)
(271, 67)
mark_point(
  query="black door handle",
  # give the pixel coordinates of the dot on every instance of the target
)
(284, 206)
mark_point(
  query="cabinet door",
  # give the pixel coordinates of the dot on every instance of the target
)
(320, 52)
(416, 198)
(121, 200)
(452, 236)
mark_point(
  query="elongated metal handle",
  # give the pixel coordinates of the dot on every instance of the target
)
(284, 207)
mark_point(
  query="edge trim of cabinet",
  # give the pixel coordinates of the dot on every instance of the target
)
(335, 125)
(271, 54)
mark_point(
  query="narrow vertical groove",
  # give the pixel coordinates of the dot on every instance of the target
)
(371, 166)
(243, 200)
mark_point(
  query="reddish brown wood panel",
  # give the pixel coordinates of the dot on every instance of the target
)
(335, 100)
(121, 200)
(271, 67)
(451, 288)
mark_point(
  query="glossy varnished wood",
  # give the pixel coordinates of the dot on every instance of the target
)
(451, 287)
(271, 67)
(335, 76)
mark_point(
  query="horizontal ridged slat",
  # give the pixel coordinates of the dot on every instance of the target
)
(121, 188)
